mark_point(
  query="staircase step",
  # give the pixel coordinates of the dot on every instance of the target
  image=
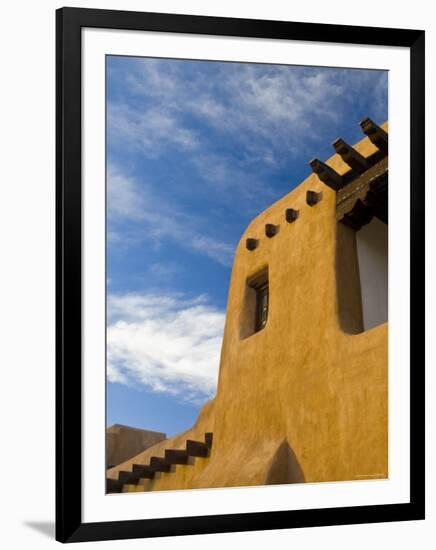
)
(128, 477)
(196, 448)
(113, 486)
(158, 464)
(176, 456)
(208, 438)
(143, 471)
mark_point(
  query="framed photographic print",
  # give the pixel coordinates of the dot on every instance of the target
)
(240, 300)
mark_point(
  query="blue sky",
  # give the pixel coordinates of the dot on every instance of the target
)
(195, 150)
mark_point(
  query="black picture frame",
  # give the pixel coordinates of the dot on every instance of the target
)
(69, 525)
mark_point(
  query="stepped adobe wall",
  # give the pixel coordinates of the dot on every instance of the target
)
(305, 398)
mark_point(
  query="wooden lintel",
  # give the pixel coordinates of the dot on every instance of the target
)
(359, 187)
(365, 197)
(360, 215)
(350, 156)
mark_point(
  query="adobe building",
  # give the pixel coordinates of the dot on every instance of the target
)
(303, 383)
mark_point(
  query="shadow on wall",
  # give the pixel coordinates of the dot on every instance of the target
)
(348, 290)
(284, 467)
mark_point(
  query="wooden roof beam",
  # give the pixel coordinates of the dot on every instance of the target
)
(376, 134)
(312, 197)
(350, 156)
(271, 230)
(326, 174)
(251, 244)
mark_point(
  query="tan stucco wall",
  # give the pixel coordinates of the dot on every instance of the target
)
(301, 399)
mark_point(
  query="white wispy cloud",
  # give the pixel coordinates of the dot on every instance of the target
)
(234, 179)
(268, 109)
(163, 271)
(132, 201)
(168, 344)
(270, 114)
(148, 130)
(123, 197)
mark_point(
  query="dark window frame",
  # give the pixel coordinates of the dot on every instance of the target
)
(262, 309)
(259, 285)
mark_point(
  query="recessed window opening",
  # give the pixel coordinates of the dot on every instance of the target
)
(262, 304)
(372, 253)
(362, 250)
(362, 276)
(255, 309)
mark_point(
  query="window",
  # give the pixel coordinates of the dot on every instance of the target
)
(254, 311)
(262, 302)
(362, 276)
(362, 250)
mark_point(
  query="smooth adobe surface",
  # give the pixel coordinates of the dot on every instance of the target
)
(304, 399)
